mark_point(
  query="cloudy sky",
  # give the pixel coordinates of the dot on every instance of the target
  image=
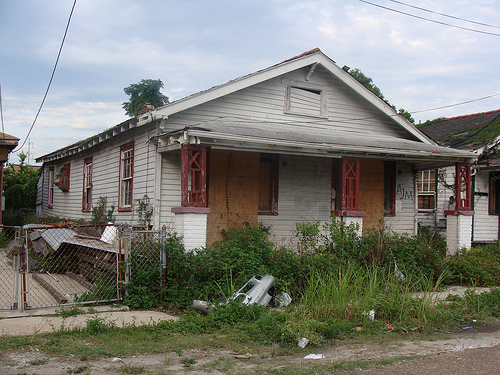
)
(192, 45)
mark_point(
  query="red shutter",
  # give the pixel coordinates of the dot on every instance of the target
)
(463, 187)
(350, 184)
(193, 176)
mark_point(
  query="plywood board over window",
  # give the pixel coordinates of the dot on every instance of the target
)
(233, 191)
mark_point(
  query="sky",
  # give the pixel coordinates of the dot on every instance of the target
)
(443, 54)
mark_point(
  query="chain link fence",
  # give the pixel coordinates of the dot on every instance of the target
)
(53, 265)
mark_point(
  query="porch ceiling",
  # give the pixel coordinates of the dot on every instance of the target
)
(314, 140)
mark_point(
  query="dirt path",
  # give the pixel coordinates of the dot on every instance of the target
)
(356, 349)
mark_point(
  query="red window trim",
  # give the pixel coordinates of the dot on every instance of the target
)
(275, 176)
(125, 147)
(193, 176)
(85, 162)
(51, 185)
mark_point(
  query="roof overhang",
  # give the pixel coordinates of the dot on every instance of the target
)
(262, 137)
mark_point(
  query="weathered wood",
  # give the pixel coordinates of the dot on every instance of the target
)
(80, 280)
(49, 288)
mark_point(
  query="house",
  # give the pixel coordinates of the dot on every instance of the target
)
(7, 144)
(298, 141)
(478, 133)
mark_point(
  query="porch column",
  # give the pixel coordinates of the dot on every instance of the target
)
(459, 215)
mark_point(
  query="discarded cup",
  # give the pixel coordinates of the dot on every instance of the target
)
(303, 342)
(388, 326)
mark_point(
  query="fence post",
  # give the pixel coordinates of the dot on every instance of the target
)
(163, 239)
(123, 259)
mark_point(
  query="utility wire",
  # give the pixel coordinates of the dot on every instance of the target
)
(457, 104)
(1, 113)
(51, 78)
(445, 15)
(427, 19)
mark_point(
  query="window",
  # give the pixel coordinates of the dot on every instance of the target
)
(268, 184)
(494, 193)
(126, 176)
(193, 176)
(426, 189)
(303, 98)
(87, 185)
(389, 188)
(62, 178)
(50, 199)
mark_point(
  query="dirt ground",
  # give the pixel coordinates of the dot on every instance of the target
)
(483, 342)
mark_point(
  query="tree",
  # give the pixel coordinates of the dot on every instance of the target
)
(146, 91)
(366, 81)
(19, 184)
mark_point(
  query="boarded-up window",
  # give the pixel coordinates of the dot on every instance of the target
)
(268, 185)
(126, 176)
(426, 185)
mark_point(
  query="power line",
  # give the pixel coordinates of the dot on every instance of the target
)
(427, 19)
(444, 14)
(51, 78)
(457, 104)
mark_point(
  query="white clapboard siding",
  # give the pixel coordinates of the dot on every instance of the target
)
(485, 226)
(170, 190)
(266, 102)
(105, 178)
(300, 199)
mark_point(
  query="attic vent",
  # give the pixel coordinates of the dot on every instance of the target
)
(305, 99)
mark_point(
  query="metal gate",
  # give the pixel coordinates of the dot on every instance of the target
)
(49, 265)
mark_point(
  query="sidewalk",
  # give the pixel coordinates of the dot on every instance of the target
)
(30, 322)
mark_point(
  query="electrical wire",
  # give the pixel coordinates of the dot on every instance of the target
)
(427, 19)
(1, 113)
(51, 78)
(444, 14)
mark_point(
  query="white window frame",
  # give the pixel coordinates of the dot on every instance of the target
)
(320, 109)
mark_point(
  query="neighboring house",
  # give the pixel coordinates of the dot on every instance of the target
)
(7, 144)
(479, 133)
(298, 141)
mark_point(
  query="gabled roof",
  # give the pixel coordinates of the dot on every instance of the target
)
(465, 132)
(417, 147)
(309, 59)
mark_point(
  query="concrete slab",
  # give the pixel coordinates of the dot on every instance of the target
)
(30, 322)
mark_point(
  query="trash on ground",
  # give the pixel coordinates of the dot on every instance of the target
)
(314, 356)
(370, 314)
(471, 327)
(283, 299)
(388, 326)
(244, 356)
(303, 342)
(400, 275)
(256, 295)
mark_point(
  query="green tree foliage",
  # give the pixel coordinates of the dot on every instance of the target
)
(366, 81)
(19, 184)
(146, 91)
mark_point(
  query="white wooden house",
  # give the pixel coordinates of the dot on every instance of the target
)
(298, 141)
(478, 133)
